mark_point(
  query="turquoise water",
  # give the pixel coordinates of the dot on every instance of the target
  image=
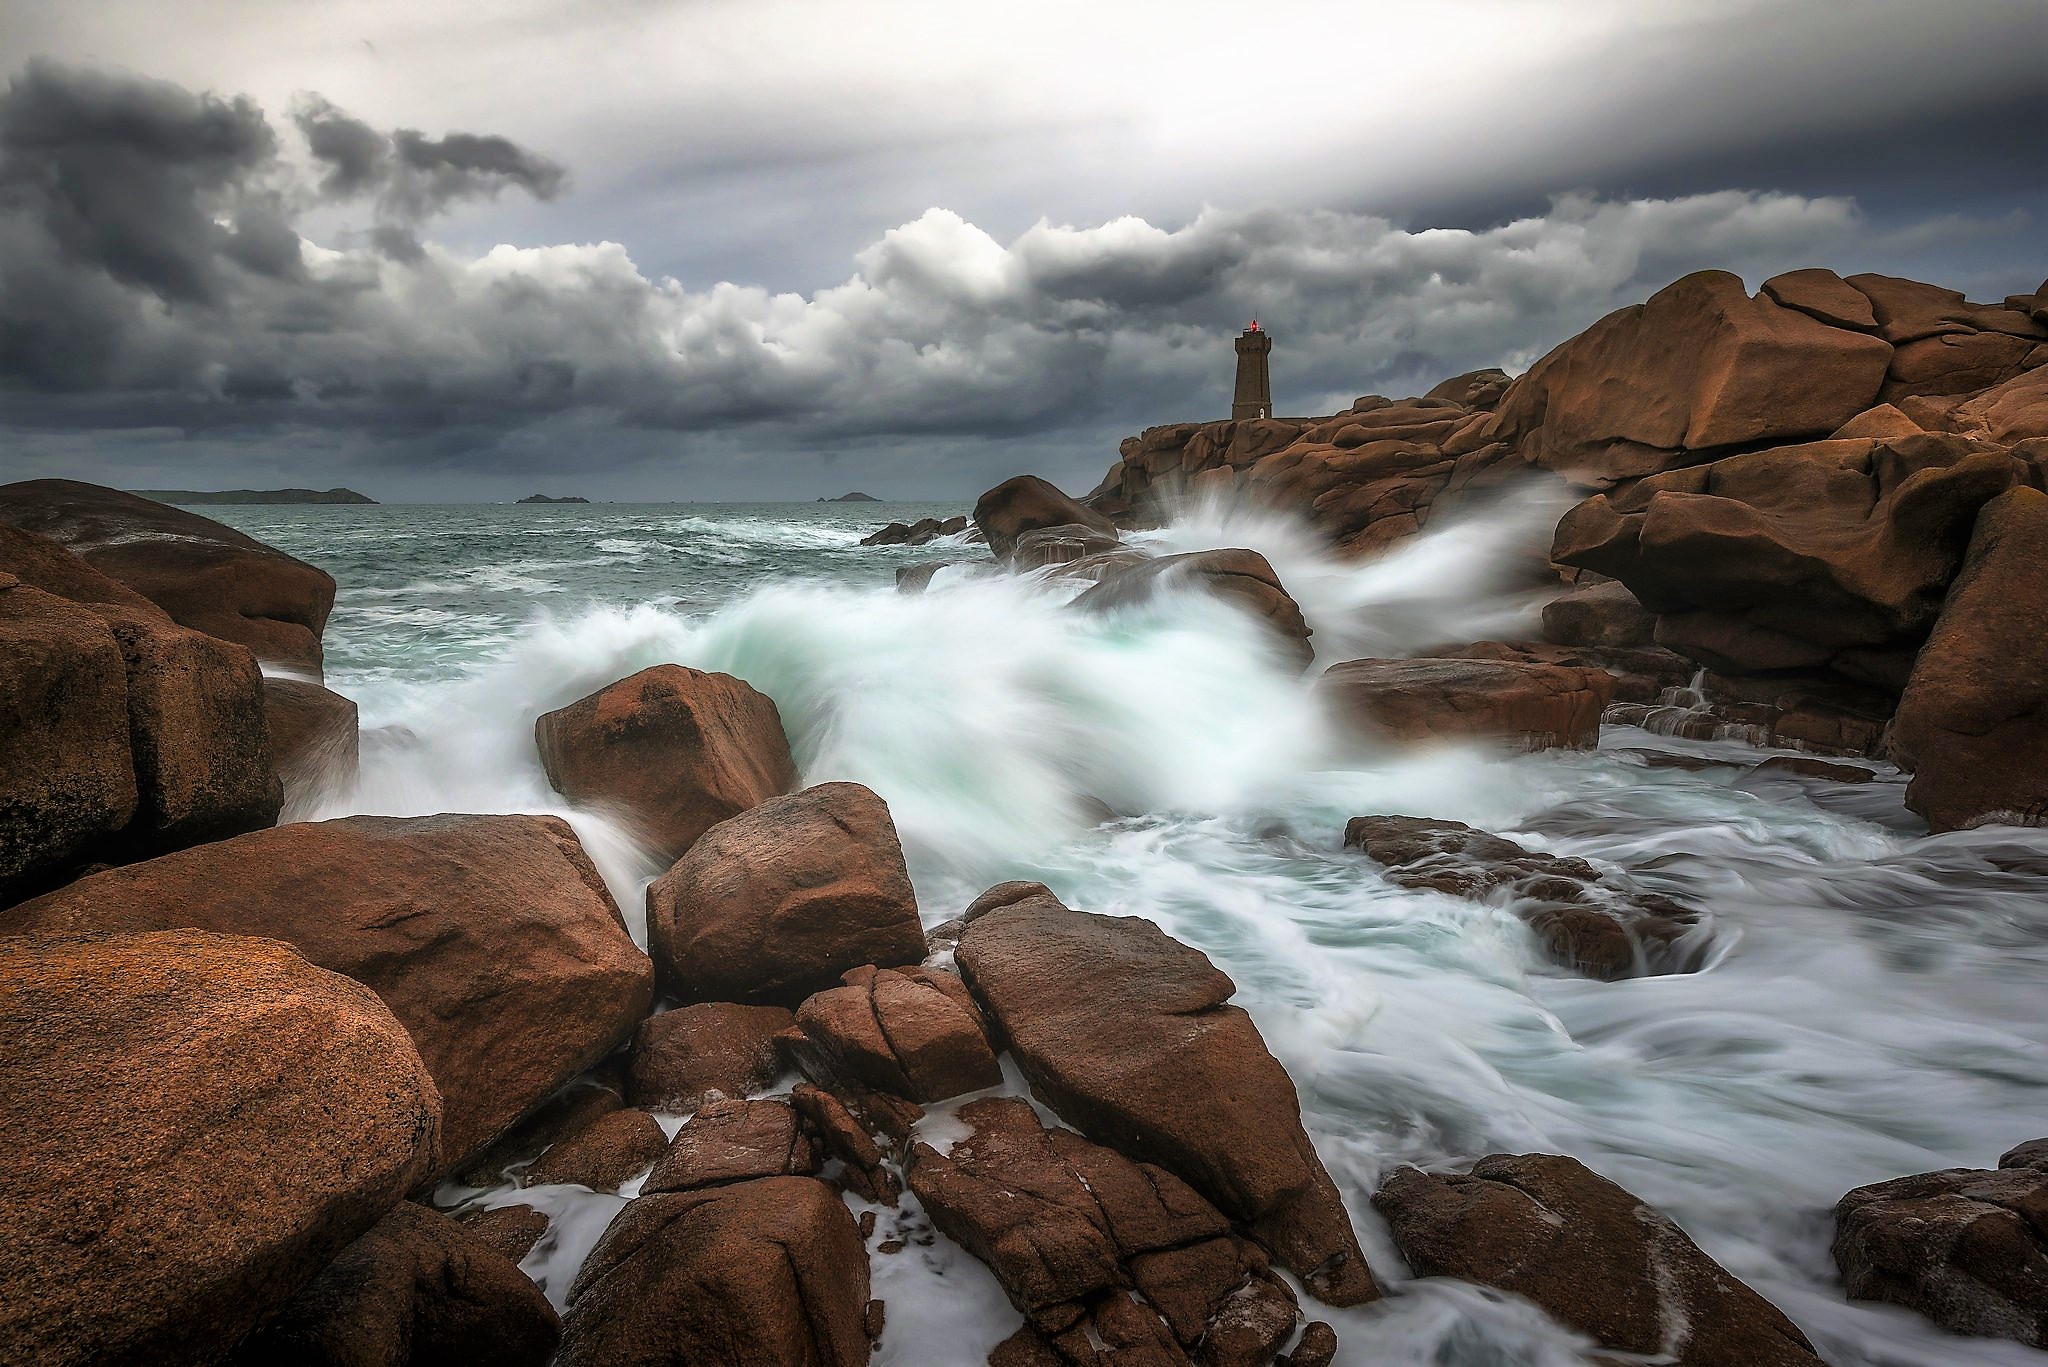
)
(1871, 1004)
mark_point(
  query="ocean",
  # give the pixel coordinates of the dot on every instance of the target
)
(1869, 1006)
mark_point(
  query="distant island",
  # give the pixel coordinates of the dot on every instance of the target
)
(852, 498)
(543, 498)
(254, 495)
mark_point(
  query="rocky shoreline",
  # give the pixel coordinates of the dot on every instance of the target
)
(276, 1089)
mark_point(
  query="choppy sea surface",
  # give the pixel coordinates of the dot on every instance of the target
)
(1872, 1006)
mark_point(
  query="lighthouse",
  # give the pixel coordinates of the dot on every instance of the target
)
(1254, 396)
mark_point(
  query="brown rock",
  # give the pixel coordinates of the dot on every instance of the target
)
(1532, 706)
(1027, 503)
(1586, 924)
(1603, 614)
(1063, 545)
(1827, 559)
(1239, 577)
(1639, 674)
(1968, 1249)
(1701, 365)
(1877, 424)
(207, 576)
(603, 1154)
(1125, 1033)
(1973, 723)
(913, 1032)
(770, 1272)
(1547, 1229)
(569, 1109)
(2014, 411)
(418, 1288)
(682, 1057)
(1824, 295)
(1478, 391)
(845, 1138)
(673, 751)
(194, 710)
(492, 939)
(314, 738)
(774, 904)
(197, 1124)
(1316, 1348)
(734, 1141)
(509, 1231)
(67, 780)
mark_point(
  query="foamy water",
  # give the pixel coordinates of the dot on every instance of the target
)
(1870, 1007)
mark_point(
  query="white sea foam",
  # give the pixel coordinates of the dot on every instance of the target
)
(1871, 1009)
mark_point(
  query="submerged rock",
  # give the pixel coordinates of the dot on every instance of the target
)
(1973, 722)
(1026, 504)
(207, 576)
(1586, 924)
(417, 1288)
(197, 1124)
(673, 751)
(774, 904)
(1547, 1229)
(770, 1272)
(1968, 1249)
(1532, 706)
(1127, 1034)
(1239, 577)
(492, 938)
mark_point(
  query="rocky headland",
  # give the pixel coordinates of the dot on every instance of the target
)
(275, 1091)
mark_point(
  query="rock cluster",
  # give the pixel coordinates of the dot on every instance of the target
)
(917, 533)
(1585, 922)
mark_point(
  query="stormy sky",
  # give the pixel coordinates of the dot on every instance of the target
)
(697, 249)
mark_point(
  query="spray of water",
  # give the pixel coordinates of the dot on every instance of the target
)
(1871, 1007)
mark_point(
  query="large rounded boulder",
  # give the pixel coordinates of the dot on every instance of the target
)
(1027, 503)
(1241, 578)
(207, 576)
(492, 938)
(779, 901)
(671, 751)
(315, 738)
(196, 1125)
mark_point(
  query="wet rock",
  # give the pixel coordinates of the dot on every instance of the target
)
(918, 578)
(1547, 1229)
(418, 1288)
(602, 1155)
(842, 1136)
(1829, 559)
(913, 1032)
(1640, 674)
(509, 1231)
(1064, 1223)
(1127, 1034)
(734, 1141)
(916, 533)
(682, 1058)
(774, 904)
(492, 939)
(1069, 544)
(208, 577)
(1531, 706)
(1316, 1348)
(1968, 1249)
(1587, 924)
(190, 715)
(314, 737)
(1239, 577)
(1801, 766)
(673, 751)
(1027, 503)
(770, 1272)
(197, 1124)
(1700, 365)
(1602, 614)
(568, 1110)
(1973, 722)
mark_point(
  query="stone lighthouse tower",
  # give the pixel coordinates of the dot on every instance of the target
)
(1254, 396)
